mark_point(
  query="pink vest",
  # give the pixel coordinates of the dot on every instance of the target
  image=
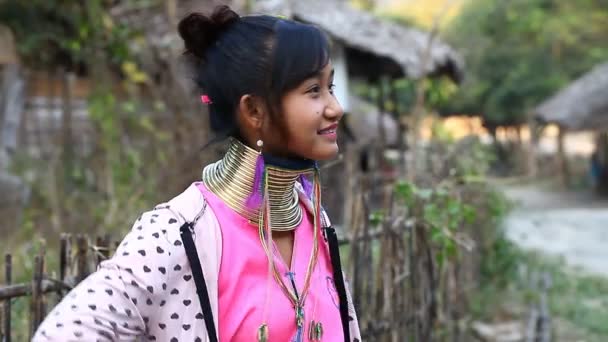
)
(243, 278)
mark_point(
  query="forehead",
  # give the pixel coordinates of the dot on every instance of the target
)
(327, 71)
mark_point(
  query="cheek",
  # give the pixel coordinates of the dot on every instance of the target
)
(303, 120)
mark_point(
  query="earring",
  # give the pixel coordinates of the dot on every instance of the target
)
(256, 198)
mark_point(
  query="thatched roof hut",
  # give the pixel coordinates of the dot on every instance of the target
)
(374, 47)
(582, 105)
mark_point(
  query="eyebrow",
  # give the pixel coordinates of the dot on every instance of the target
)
(318, 74)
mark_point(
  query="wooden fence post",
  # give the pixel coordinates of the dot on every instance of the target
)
(562, 158)
(401, 127)
(63, 261)
(413, 284)
(36, 302)
(8, 278)
(81, 258)
(69, 254)
(1, 320)
(103, 248)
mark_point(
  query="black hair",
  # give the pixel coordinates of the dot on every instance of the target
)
(261, 55)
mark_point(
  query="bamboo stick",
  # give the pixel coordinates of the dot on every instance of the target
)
(8, 278)
(25, 289)
(1, 321)
(63, 249)
(35, 300)
(63, 260)
(99, 248)
(81, 258)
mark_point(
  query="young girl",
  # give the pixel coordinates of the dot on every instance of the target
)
(247, 253)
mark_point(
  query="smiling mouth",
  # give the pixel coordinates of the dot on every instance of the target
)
(329, 130)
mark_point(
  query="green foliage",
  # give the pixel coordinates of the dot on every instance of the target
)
(460, 203)
(574, 296)
(442, 211)
(500, 262)
(110, 184)
(522, 51)
(68, 34)
(116, 177)
(437, 92)
(477, 163)
(467, 160)
(376, 217)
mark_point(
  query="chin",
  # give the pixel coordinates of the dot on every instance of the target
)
(326, 153)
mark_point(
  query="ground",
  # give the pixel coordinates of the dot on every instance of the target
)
(572, 225)
(570, 228)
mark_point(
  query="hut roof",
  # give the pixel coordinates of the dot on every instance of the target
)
(373, 45)
(582, 105)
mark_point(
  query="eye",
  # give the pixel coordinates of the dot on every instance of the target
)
(332, 88)
(314, 89)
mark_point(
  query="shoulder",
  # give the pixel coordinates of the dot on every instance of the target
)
(155, 234)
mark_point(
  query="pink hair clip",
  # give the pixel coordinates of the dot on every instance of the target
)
(206, 100)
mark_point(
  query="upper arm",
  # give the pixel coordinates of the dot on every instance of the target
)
(113, 303)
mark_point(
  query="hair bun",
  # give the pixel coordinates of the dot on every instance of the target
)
(200, 31)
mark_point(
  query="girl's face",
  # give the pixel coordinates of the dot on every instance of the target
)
(310, 115)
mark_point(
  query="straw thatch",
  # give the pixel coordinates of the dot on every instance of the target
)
(374, 46)
(582, 105)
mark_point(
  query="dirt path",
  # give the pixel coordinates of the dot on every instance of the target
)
(573, 225)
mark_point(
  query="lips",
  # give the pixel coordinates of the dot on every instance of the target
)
(329, 130)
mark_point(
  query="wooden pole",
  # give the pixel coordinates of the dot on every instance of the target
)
(378, 157)
(1, 320)
(25, 289)
(70, 273)
(67, 84)
(103, 248)
(413, 283)
(564, 171)
(8, 278)
(534, 129)
(12, 102)
(381, 108)
(81, 258)
(36, 306)
(63, 256)
(351, 188)
(99, 246)
(400, 129)
(602, 155)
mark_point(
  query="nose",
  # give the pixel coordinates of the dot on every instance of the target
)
(333, 110)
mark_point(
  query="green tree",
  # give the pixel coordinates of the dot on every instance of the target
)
(95, 189)
(519, 52)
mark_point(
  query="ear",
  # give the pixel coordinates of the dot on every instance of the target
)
(252, 112)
